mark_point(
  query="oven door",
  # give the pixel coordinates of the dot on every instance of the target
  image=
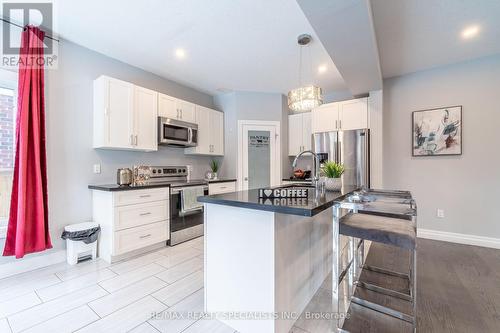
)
(184, 225)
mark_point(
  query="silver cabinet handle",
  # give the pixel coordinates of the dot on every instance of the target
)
(145, 196)
(336, 124)
(131, 139)
(340, 124)
(223, 187)
(145, 236)
(136, 139)
(181, 113)
(245, 179)
(145, 214)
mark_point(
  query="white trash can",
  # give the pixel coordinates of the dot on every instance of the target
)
(76, 247)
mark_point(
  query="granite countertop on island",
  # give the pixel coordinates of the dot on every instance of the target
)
(316, 201)
(193, 182)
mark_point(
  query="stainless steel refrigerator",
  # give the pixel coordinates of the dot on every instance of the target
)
(351, 148)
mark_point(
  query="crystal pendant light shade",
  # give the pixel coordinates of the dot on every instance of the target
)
(304, 98)
(307, 97)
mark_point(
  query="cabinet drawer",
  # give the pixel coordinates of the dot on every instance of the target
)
(140, 196)
(140, 214)
(218, 188)
(135, 238)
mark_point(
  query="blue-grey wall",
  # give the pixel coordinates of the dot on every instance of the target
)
(467, 187)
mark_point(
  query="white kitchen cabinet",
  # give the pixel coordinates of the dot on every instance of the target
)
(145, 119)
(113, 113)
(325, 118)
(299, 133)
(340, 116)
(125, 115)
(175, 108)
(353, 114)
(130, 220)
(223, 187)
(210, 132)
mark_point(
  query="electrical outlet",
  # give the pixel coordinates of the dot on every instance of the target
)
(440, 213)
(97, 168)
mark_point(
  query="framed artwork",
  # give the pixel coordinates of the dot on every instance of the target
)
(437, 132)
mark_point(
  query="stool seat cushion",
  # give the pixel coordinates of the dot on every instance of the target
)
(380, 229)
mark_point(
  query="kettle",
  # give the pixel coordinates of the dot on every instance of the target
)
(124, 176)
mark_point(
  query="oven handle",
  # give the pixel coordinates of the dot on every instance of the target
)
(179, 190)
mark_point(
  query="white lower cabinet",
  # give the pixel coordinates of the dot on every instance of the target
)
(130, 220)
(219, 188)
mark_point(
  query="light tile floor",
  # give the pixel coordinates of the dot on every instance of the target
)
(121, 297)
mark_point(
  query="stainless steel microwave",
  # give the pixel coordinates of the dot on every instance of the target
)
(172, 132)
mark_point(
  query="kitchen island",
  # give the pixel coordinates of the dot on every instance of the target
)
(265, 259)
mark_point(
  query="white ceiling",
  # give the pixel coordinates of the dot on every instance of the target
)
(414, 35)
(247, 45)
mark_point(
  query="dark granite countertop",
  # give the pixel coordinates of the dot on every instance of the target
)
(315, 203)
(193, 182)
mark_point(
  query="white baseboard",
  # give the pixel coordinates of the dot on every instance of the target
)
(28, 264)
(459, 238)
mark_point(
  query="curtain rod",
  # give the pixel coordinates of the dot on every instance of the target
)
(20, 26)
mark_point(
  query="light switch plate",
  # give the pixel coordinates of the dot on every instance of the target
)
(97, 168)
(440, 213)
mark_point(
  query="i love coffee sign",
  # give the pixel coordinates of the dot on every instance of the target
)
(265, 193)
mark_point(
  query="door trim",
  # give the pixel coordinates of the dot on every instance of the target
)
(277, 126)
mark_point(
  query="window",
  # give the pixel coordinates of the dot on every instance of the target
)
(8, 101)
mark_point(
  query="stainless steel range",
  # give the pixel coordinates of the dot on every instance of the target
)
(185, 222)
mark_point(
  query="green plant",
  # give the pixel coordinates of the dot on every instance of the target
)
(214, 166)
(332, 169)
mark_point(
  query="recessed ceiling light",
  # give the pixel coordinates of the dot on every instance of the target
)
(180, 53)
(470, 32)
(322, 69)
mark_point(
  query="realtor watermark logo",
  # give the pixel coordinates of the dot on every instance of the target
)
(18, 15)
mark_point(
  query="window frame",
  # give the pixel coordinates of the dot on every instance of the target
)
(9, 80)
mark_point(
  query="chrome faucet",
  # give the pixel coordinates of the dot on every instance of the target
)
(315, 172)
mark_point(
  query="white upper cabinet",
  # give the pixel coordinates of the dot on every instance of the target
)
(299, 133)
(325, 118)
(145, 121)
(174, 108)
(353, 114)
(210, 132)
(125, 115)
(340, 116)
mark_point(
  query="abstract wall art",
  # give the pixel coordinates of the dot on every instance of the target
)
(437, 132)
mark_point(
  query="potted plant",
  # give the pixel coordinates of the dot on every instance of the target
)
(332, 172)
(214, 168)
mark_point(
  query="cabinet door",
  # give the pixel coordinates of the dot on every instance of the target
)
(145, 118)
(119, 114)
(294, 134)
(203, 121)
(186, 110)
(167, 107)
(325, 118)
(306, 131)
(353, 114)
(217, 132)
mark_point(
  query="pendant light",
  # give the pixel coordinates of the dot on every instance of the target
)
(304, 98)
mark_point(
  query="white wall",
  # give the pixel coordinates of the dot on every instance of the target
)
(467, 187)
(251, 106)
(69, 134)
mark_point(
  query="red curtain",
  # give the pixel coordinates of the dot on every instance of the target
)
(28, 229)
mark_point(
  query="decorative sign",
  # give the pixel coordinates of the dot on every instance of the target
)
(259, 141)
(265, 193)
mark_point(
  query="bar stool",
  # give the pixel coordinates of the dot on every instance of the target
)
(399, 232)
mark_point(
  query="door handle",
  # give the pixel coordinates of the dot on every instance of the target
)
(245, 179)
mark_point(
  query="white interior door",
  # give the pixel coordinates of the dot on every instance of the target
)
(259, 154)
